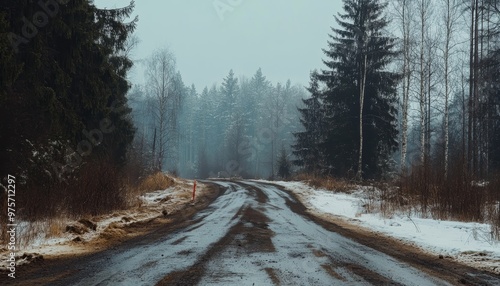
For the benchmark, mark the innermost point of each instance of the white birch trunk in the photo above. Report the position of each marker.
(361, 105)
(406, 81)
(422, 96)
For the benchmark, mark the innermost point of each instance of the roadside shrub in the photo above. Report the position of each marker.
(157, 181)
(495, 206)
(98, 189)
(324, 182)
(457, 197)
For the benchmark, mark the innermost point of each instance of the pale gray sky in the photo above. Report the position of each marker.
(210, 37)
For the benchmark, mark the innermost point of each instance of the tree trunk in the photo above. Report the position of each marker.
(428, 112)
(154, 151)
(471, 93)
(361, 105)
(446, 112)
(476, 126)
(406, 84)
(449, 26)
(422, 84)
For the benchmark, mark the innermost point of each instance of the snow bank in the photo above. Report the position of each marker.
(466, 242)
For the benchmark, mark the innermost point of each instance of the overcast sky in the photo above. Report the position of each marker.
(210, 37)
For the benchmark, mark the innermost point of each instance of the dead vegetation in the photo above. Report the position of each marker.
(325, 182)
(157, 181)
(45, 210)
(459, 197)
(151, 183)
(424, 192)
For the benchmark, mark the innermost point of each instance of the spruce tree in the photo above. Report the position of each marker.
(62, 72)
(361, 93)
(232, 118)
(61, 76)
(229, 92)
(307, 148)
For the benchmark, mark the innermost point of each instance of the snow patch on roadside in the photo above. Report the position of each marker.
(467, 242)
(160, 203)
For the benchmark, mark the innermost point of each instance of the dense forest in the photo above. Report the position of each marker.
(409, 91)
(236, 129)
(66, 128)
(404, 86)
(232, 130)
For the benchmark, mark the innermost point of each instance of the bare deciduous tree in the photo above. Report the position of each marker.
(161, 87)
(404, 17)
(450, 19)
(424, 14)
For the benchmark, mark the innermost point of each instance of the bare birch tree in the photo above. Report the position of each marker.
(405, 18)
(424, 14)
(161, 79)
(450, 19)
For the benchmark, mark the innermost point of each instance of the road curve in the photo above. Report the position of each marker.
(273, 245)
(250, 235)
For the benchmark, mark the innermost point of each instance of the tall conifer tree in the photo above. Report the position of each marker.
(361, 93)
(308, 142)
(66, 72)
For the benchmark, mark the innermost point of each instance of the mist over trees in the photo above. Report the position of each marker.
(405, 84)
(235, 129)
(397, 91)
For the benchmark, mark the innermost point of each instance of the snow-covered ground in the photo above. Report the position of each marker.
(52, 239)
(469, 243)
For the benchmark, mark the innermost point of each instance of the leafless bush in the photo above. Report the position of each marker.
(325, 182)
(98, 189)
(427, 192)
(494, 212)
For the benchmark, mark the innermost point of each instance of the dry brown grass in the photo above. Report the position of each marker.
(113, 231)
(325, 182)
(47, 228)
(98, 188)
(157, 181)
(55, 228)
(494, 211)
(425, 191)
(153, 182)
(186, 195)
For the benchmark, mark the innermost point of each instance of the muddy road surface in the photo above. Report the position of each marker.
(255, 234)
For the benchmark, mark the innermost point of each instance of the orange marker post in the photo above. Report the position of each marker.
(194, 190)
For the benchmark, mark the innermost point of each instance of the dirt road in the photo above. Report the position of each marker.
(254, 234)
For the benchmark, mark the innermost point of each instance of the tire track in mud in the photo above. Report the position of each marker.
(250, 241)
(250, 235)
